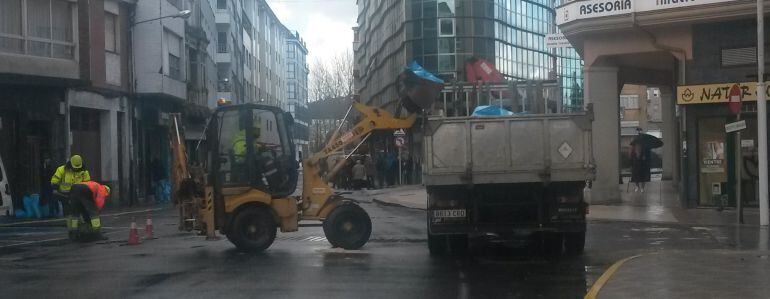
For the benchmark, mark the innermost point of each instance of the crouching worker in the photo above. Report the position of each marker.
(86, 199)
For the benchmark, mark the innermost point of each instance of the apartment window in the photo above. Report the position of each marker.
(291, 51)
(48, 28)
(221, 4)
(11, 39)
(174, 48)
(446, 27)
(292, 91)
(221, 42)
(291, 71)
(110, 32)
(192, 67)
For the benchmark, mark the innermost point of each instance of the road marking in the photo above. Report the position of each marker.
(63, 219)
(594, 291)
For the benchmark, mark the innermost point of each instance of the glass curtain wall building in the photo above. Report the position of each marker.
(442, 34)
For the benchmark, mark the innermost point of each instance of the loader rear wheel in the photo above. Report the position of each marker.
(348, 226)
(253, 230)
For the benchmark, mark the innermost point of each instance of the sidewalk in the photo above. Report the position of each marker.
(658, 204)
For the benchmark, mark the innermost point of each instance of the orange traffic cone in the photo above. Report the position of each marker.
(133, 234)
(148, 227)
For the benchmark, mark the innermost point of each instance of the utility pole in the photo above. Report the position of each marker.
(762, 115)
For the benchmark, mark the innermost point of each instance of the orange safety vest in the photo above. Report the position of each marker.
(98, 191)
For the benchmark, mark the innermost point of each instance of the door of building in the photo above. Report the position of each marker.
(712, 150)
(86, 141)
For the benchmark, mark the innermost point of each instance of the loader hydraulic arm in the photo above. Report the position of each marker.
(315, 187)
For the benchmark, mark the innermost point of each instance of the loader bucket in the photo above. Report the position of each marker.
(418, 88)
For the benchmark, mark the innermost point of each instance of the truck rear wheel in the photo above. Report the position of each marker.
(253, 229)
(574, 243)
(553, 243)
(437, 244)
(348, 226)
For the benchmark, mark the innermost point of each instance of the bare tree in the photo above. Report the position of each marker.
(331, 78)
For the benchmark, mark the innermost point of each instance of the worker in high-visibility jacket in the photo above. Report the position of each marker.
(86, 199)
(65, 176)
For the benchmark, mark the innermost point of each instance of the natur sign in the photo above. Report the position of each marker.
(716, 93)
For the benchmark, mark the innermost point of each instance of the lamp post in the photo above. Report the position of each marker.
(762, 115)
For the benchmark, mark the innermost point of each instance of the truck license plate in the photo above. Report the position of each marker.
(449, 214)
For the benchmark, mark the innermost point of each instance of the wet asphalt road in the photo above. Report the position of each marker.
(394, 264)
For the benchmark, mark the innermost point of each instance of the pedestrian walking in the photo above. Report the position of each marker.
(640, 154)
(85, 201)
(392, 168)
(371, 172)
(65, 177)
(359, 175)
(381, 170)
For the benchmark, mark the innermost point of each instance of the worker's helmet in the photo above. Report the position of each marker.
(108, 189)
(77, 162)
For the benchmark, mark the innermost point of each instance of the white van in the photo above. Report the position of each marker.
(6, 204)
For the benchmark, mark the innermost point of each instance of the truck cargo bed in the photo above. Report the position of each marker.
(508, 149)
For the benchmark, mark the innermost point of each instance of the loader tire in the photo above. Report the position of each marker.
(348, 226)
(253, 230)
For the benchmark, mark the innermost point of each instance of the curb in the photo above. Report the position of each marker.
(393, 204)
(53, 222)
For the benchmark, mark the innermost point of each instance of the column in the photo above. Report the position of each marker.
(601, 90)
(670, 135)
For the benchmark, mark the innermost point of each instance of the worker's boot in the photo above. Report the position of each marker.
(96, 234)
(72, 228)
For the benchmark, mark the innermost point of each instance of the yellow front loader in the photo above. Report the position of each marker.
(244, 187)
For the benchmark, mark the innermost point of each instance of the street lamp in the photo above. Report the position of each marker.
(184, 14)
(764, 218)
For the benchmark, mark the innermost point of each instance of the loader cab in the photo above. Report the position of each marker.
(251, 146)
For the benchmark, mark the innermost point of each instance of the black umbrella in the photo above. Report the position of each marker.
(647, 141)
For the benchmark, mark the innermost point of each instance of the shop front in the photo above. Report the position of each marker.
(718, 157)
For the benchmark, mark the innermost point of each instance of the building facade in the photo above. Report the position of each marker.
(296, 91)
(671, 46)
(250, 59)
(63, 90)
(442, 35)
(160, 71)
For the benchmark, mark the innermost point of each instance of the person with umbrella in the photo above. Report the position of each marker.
(641, 154)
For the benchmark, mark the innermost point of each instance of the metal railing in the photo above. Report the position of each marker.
(533, 97)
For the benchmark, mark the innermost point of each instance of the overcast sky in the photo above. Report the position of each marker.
(325, 25)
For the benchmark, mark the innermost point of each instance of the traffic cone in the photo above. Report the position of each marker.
(133, 234)
(148, 227)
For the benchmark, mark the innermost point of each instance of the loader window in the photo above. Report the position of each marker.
(231, 164)
(252, 150)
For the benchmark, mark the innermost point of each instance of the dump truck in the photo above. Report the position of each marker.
(510, 176)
